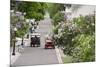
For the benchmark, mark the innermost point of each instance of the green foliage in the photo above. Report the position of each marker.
(20, 31)
(79, 41)
(84, 43)
(58, 17)
(86, 24)
(67, 59)
(84, 48)
(14, 20)
(54, 8)
(33, 9)
(23, 30)
(55, 30)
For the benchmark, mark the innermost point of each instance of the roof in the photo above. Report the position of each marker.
(33, 34)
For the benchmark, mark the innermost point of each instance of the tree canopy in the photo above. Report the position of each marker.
(34, 10)
(54, 8)
(79, 40)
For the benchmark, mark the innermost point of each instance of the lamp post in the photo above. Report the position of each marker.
(22, 18)
(15, 29)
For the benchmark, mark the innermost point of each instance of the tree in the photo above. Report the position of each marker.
(34, 10)
(84, 43)
(58, 17)
(22, 27)
(79, 41)
(54, 8)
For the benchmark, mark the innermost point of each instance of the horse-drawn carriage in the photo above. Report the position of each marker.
(35, 40)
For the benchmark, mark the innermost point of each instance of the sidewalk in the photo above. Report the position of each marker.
(13, 58)
(18, 51)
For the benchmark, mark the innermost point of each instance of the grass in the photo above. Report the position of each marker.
(67, 59)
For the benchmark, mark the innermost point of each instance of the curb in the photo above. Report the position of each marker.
(58, 55)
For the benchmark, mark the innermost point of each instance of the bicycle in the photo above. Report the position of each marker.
(20, 48)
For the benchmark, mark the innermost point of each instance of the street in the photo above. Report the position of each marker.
(68, 29)
(38, 55)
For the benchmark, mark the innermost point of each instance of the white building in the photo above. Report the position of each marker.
(83, 10)
(77, 10)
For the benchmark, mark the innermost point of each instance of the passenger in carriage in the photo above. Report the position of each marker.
(34, 41)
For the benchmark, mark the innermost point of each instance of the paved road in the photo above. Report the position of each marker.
(39, 55)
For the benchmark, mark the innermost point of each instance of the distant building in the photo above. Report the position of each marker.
(83, 10)
(77, 10)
